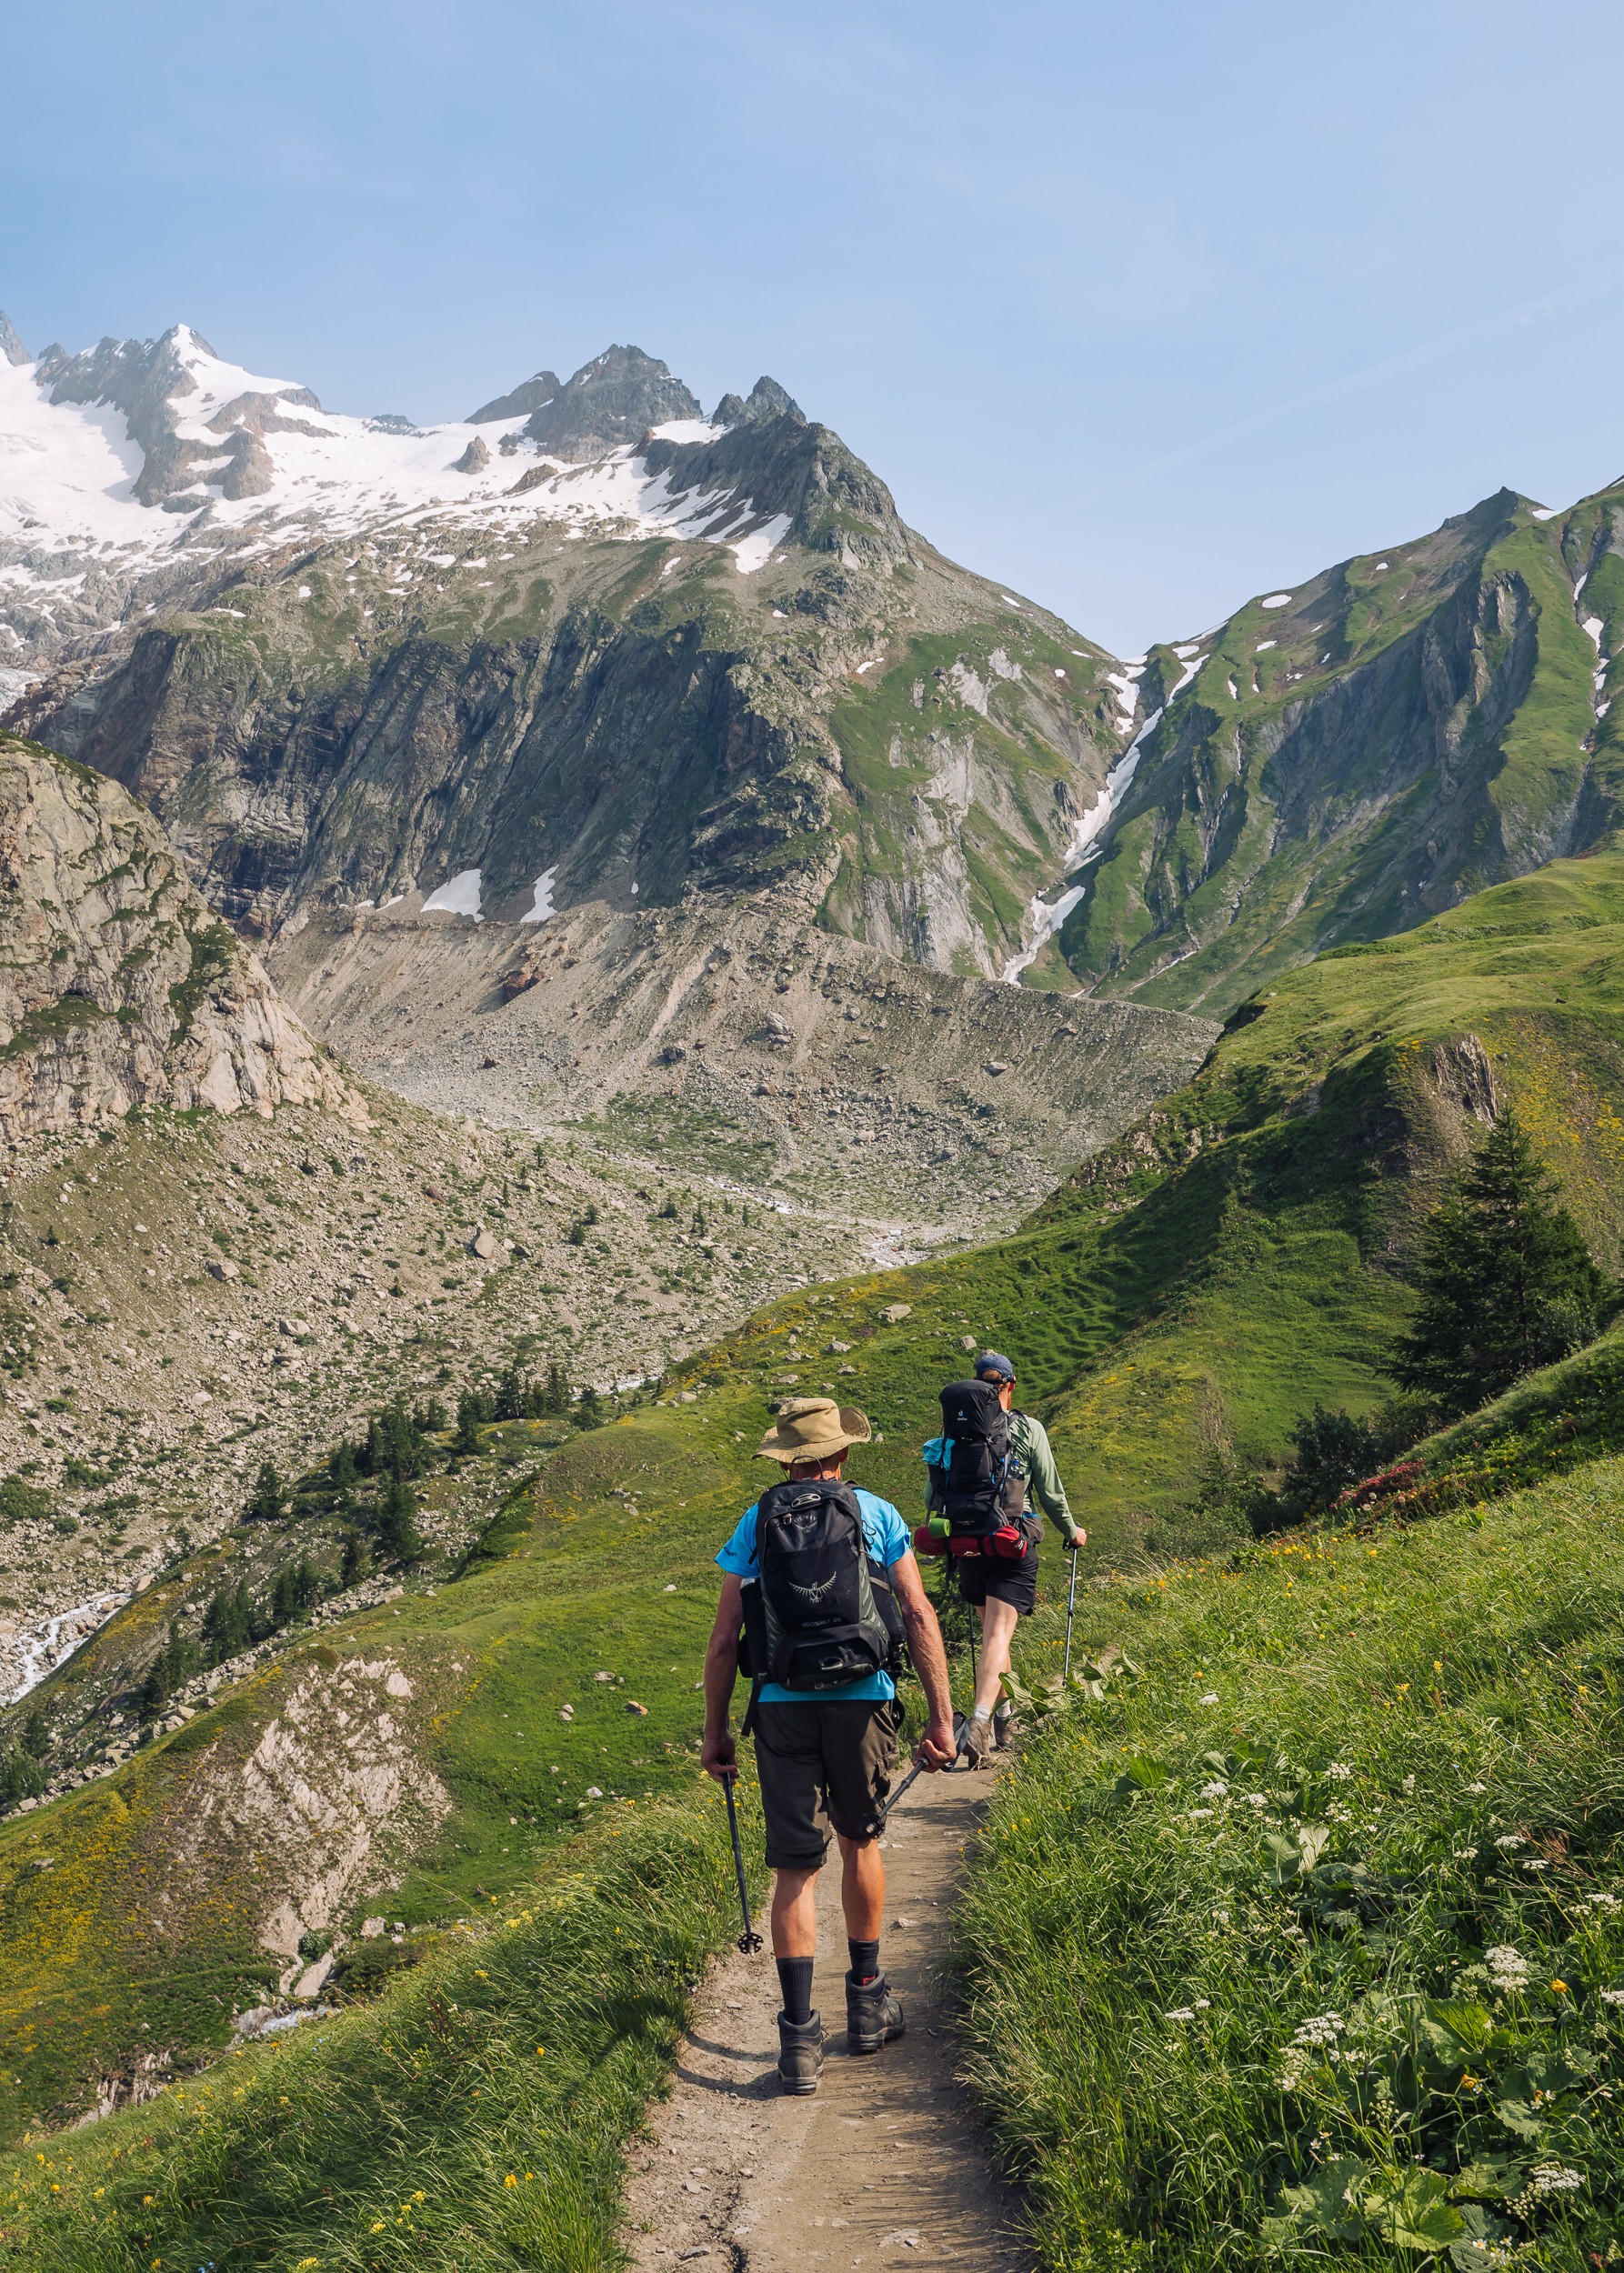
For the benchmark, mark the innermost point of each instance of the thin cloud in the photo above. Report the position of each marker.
(1525, 316)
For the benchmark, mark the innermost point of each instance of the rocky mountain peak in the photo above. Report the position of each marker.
(119, 987)
(609, 403)
(11, 346)
(534, 393)
(767, 399)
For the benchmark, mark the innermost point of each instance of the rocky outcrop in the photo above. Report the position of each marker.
(609, 403)
(118, 987)
(11, 346)
(474, 459)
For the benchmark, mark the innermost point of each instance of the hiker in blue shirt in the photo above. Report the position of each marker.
(826, 1753)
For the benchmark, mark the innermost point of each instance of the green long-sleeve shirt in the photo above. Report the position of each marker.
(1044, 1487)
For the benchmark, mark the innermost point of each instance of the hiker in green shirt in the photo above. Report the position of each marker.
(1006, 1591)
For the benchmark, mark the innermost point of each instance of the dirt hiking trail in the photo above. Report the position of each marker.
(886, 2166)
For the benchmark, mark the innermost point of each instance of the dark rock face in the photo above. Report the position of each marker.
(474, 459)
(11, 346)
(606, 753)
(785, 465)
(609, 403)
(532, 396)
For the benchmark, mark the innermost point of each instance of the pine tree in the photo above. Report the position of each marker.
(227, 1623)
(342, 1470)
(512, 1395)
(1506, 1283)
(269, 1503)
(285, 1596)
(397, 1527)
(467, 1441)
(355, 1563)
(589, 1412)
(556, 1397)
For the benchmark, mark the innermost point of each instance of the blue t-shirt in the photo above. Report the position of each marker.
(888, 1539)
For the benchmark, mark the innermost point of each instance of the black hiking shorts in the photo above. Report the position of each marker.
(998, 1579)
(825, 1762)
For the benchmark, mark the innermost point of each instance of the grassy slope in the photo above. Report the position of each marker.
(1142, 1943)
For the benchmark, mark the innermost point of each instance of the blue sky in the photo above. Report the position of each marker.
(1140, 309)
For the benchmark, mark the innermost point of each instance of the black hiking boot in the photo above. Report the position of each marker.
(873, 2016)
(800, 2055)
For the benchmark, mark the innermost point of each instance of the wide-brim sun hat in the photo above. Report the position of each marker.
(813, 1429)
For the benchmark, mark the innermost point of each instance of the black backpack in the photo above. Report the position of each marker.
(823, 1612)
(976, 1483)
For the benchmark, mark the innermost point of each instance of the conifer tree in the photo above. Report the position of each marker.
(397, 1527)
(354, 1565)
(467, 1441)
(1506, 1283)
(269, 1503)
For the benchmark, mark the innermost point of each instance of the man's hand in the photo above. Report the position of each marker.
(938, 1747)
(1078, 1538)
(718, 1756)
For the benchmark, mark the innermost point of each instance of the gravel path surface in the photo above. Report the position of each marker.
(886, 2166)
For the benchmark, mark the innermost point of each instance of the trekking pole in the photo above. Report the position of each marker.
(749, 1941)
(960, 1730)
(1071, 1610)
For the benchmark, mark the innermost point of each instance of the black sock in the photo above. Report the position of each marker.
(795, 1986)
(865, 1959)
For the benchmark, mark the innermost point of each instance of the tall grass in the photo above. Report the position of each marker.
(1303, 1933)
(474, 2118)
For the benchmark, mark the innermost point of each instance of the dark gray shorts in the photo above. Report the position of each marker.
(825, 1762)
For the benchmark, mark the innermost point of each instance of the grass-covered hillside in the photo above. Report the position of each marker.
(1340, 761)
(1299, 1936)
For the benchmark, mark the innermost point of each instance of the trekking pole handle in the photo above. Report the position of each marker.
(749, 1941)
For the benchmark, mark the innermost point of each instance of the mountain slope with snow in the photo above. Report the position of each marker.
(1339, 762)
(589, 643)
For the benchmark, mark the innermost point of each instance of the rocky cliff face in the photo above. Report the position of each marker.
(1338, 762)
(118, 987)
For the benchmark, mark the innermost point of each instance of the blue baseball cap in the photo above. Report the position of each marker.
(993, 1365)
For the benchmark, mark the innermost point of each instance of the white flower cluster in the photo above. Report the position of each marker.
(1602, 1902)
(1339, 1771)
(1189, 2012)
(1209, 1698)
(1551, 2178)
(1323, 2028)
(1507, 1968)
(1215, 1791)
(1612, 1997)
(1477, 1788)
(1255, 1799)
(1509, 1839)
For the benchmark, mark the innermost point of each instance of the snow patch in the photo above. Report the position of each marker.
(1189, 675)
(460, 898)
(1264, 645)
(687, 430)
(1045, 919)
(1278, 600)
(541, 905)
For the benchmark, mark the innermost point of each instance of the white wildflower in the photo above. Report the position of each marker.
(1256, 1799)
(1509, 1839)
(1602, 1902)
(1208, 1700)
(1220, 1918)
(1181, 2012)
(1200, 1815)
(1215, 1791)
(1410, 1783)
(1508, 1968)
(1466, 1854)
(1612, 1997)
(1339, 1771)
(1537, 1866)
(1477, 1788)
(1551, 2178)
(1323, 2028)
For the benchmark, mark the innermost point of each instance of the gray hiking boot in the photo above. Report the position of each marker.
(873, 2016)
(1004, 1727)
(978, 1741)
(800, 2055)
